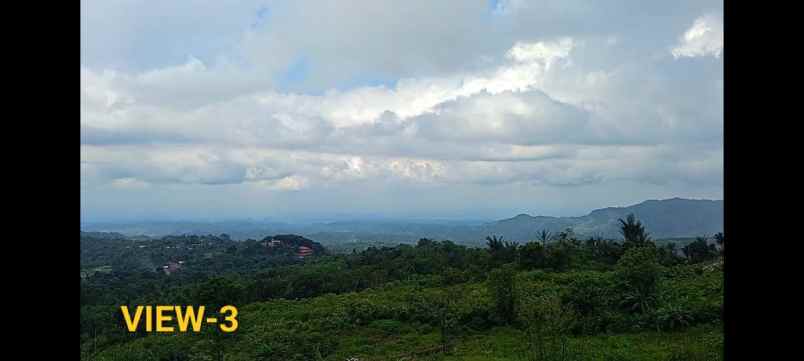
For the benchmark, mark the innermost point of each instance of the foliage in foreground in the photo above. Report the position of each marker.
(563, 300)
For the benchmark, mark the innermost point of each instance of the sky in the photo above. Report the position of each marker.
(292, 110)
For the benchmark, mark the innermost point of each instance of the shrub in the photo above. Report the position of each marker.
(672, 317)
(501, 286)
(388, 326)
(638, 272)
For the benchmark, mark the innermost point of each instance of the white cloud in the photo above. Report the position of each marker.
(290, 183)
(543, 52)
(527, 96)
(129, 183)
(704, 37)
(139, 100)
(411, 132)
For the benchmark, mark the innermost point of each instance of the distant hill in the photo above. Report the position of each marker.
(105, 252)
(293, 243)
(668, 218)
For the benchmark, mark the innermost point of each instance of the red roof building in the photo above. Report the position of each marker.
(171, 267)
(304, 251)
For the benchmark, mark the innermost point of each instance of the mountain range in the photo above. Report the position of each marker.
(668, 218)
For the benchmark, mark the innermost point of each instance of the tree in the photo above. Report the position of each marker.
(589, 296)
(605, 251)
(544, 236)
(667, 255)
(495, 244)
(634, 232)
(546, 323)
(532, 255)
(447, 318)
(720, 241)
(424, 242)
(217, 292)
(557, 255)
(502, 286)
(699, 251)
(638, 272)
(501, 251)
(567, 235)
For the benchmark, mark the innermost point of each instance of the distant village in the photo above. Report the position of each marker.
(300, 252)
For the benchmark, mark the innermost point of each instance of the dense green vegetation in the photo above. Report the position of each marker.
(554, 298)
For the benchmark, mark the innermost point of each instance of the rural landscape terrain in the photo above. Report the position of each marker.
(375, 180)
(555, 295)
(667, 219)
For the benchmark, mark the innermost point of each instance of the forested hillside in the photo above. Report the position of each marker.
(556, 298)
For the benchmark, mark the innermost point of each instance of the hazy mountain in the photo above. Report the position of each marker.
(669, 218)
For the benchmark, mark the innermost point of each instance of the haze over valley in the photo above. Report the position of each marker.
(669, 218)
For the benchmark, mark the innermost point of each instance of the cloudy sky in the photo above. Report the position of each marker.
(210, 109)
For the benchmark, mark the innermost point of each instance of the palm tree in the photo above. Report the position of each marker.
(544, 236)
(700, 250)
(501, 251)
(634, 232)
(494, 243)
